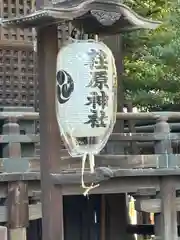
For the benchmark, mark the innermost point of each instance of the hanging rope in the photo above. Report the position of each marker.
(92, 165)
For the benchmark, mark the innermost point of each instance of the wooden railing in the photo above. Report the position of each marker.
(129, 150)
(17, 140)
(157, 149)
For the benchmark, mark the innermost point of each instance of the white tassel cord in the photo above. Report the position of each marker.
(92, 165)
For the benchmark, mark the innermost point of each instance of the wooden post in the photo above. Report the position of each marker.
(18, 215)
(3, 233)
(168, 209)
(52, 200)
(161, 147)
(115, 44)
(166, 221)
(18, 212)
(11, 127)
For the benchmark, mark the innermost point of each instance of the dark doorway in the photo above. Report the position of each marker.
(81, 219)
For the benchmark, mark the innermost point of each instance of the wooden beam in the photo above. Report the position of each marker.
(144, 229)
(52, 200)
(35, 212)
(16, 44)
(19, 115)
(20, 165)
(33, 186)
(120, 161)
(26, 176)
(130, 184)
(120, 115)
(144, 136)
(118, 185)
(19, 138)
(153, 205)
(146, 116)
(104, 174)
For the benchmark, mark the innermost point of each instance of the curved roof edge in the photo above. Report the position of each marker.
(137, 20)
(71, 10)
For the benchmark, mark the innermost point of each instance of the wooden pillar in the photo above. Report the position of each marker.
(163, 147)
(118, 214)
(115, 44)
(168, 209)
(52, 200)
(18, 212)
(166, 221)
(117, 218)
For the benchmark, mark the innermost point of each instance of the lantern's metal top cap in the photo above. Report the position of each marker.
(94, 16)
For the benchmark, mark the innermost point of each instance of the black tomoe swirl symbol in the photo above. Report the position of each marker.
(65, 86)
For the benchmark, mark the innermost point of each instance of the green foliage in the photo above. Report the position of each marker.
(152, 58)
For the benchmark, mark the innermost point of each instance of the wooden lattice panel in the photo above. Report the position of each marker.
(12, 8)
(17, 77)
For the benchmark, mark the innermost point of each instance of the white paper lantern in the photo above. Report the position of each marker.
(86, 86)
(86, 90)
